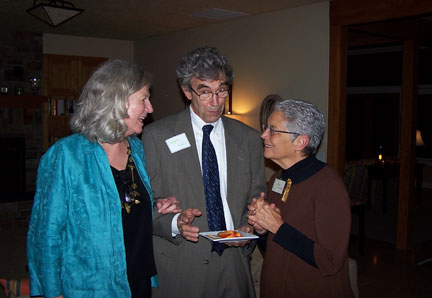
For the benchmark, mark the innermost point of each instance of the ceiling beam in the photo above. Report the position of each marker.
(351, 12)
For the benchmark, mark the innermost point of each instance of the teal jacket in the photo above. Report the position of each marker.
(75, 239)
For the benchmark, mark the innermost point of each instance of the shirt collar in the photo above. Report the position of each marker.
(198, 123)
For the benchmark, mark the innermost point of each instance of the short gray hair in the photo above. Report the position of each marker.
(303, 118)
(101, 106)
(203, 63)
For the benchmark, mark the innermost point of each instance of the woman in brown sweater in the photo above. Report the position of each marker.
(307, 212)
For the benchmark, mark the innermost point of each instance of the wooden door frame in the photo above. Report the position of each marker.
(344, 13)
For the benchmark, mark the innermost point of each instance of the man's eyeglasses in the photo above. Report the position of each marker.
(207, 95)
(264, 127)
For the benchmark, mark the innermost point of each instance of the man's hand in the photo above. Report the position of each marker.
(168, 205)
(184, 222)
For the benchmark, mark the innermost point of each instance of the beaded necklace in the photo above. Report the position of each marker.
(131, 193)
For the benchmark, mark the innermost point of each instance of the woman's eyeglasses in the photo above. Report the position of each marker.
(264, 127)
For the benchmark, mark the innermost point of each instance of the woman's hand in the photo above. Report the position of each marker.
(265, 216)
(168, 205)
(252, 212)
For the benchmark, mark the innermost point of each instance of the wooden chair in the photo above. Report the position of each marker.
(356, 182)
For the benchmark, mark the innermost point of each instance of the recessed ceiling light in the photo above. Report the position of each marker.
(219, 14)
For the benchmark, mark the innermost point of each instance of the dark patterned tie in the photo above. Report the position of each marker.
(215, 214)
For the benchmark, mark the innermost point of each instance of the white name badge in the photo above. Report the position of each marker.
(278, 186)
(177, 143)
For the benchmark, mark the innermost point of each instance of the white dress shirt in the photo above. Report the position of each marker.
(217, 137)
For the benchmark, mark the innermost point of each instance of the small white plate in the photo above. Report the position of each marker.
(212, 236)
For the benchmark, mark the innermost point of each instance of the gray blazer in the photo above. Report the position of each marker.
(188, 269)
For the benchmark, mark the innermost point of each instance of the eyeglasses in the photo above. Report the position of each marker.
(207, 95)
(264, 127)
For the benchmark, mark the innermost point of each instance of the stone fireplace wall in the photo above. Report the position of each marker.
(21, 59)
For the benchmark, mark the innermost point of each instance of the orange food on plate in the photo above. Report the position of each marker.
(229, 234)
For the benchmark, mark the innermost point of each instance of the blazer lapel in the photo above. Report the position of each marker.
(184, 125)
(189, 160)
(233, 153)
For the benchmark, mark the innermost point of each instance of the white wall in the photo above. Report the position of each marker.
(86, 46)
(285, 52)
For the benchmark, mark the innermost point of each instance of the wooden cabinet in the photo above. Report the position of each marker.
(59, 76)
(67, 75)
(63, 79)
(86, 66)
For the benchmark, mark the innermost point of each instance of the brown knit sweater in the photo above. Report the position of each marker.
(318, 209)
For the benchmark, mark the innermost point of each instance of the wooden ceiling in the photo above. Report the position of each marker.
(417, 28)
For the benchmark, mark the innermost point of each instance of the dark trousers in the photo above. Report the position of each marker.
(141, 288)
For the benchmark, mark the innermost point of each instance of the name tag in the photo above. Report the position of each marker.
(177, 143)
(278, 186)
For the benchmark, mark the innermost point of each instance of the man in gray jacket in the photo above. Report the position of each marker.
(213, 183)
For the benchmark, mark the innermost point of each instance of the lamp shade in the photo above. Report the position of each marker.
(54, 13)
(419, 140)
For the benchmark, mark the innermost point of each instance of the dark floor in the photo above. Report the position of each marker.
(383, 271)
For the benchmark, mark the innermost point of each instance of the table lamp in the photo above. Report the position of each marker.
(419, 140)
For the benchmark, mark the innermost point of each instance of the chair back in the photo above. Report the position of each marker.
(356, 181)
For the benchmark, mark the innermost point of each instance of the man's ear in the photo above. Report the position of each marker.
(187, 92)
(301, 142)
